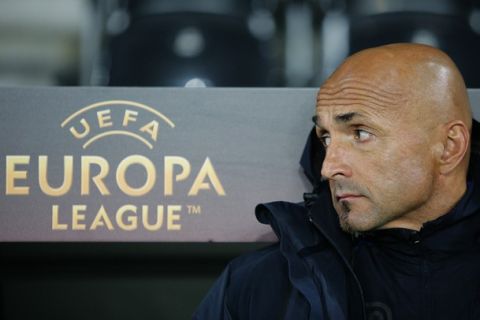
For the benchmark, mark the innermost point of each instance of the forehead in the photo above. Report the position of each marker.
(361, 96)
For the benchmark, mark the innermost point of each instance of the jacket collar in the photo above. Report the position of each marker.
(323, 216)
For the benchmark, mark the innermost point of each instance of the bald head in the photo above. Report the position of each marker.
(412, 77)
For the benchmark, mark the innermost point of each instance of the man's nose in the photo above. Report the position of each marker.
(335, 163)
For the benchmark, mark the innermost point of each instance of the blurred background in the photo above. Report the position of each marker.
(192, 43)
(240, 43)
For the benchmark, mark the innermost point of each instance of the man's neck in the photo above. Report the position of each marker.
(442, 202)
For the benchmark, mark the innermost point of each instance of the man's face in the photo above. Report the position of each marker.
(379, 161)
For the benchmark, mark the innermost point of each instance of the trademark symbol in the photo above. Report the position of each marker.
(192, 209)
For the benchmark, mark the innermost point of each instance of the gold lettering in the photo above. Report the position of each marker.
(126, 218)
(104, 118)
(86, 130)
(172, 217)
(129, 115)
(132, 218)
(152, 129)
(67, 176)
(12, 175)
(78, 217)
(87, 161)
(207, 170)
(101, 220)
(55, 224)
(170, 162)
(158, 223)
(149, 168)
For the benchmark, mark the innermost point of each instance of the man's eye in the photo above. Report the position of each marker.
(362, 135)
(325, 140)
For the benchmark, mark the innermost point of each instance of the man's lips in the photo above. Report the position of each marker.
(348, 196)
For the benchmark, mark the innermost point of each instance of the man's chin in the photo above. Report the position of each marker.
(352, 224)
(356, 217)
(346, 227)
(353, 228)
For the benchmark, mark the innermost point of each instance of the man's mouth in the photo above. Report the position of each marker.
(347, 196)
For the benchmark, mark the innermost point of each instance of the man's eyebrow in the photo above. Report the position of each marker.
(346, 117)
(340, 118)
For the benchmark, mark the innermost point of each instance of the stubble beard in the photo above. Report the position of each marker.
(343, 214)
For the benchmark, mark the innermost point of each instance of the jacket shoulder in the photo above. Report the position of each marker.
(248, 286)
(257, 265)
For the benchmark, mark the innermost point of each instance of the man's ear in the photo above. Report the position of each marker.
(455, 145)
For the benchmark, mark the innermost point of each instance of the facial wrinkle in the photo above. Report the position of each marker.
(347, 95)
(351, 102)
(371, 86)
(358, 94)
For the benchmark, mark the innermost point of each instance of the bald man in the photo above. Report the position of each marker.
(392, 229)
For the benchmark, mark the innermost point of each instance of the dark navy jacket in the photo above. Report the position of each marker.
(316, 271)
